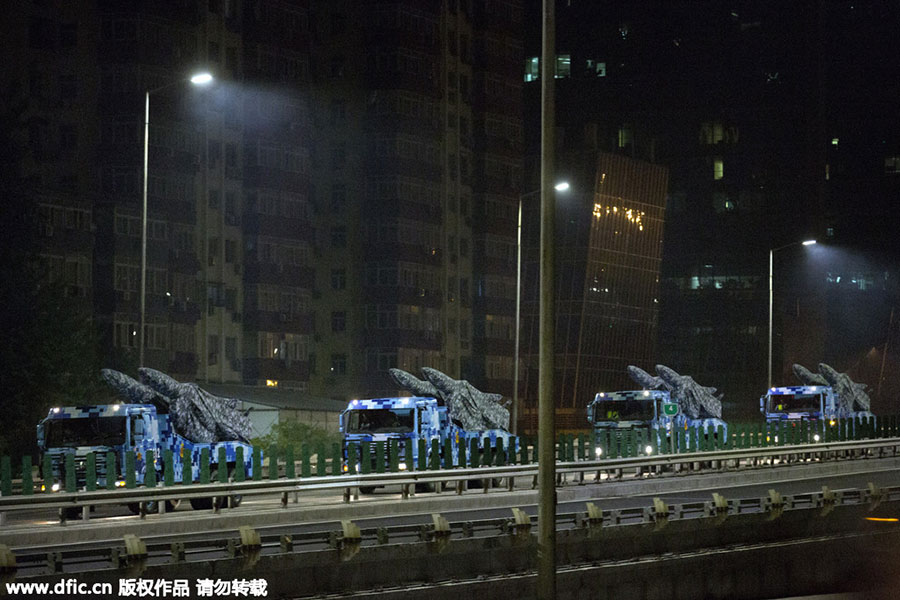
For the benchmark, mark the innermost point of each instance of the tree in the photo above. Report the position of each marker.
(49, 355)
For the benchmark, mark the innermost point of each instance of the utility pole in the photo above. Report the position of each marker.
(546, 576)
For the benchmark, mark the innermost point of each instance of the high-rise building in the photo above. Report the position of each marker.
(772, 134)
(608, 246)
(340, 201)
(419, 169)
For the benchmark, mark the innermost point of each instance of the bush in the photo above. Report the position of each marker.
(295, 433)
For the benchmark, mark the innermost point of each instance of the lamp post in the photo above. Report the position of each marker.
(546, 546)
(559, 187)
(771, 260)
(196, 79)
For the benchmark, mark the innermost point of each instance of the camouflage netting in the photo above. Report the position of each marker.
(851, 395)
(196, 414)
(695, 400)
(473, 409)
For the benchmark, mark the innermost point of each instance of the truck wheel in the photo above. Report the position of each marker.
(201, 503)
(366, 489)
(171, 505)
(72, 513)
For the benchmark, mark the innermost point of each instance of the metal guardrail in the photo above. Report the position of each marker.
(274, 539)
(698, 462)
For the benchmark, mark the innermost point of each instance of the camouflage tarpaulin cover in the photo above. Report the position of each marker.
(473, 409)
(696, 401)
(851, 395)
(196, 414)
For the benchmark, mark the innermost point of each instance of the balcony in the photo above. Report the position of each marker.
(256, 369)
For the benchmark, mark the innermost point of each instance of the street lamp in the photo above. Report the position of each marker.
(771, 256)
(202, 78)
(562, 186)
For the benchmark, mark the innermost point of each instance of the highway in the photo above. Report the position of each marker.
(321, 511)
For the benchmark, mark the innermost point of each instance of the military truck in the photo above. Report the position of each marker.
(408, 420)
(138, 427)
(651, 412)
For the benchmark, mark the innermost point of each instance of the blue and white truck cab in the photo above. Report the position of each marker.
(119, 428)
(797, 403)
(652, 411)
(408, 420)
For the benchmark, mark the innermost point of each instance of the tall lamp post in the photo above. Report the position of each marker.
(771, 261)
(546, 546)
(559, 187)
(196, 79)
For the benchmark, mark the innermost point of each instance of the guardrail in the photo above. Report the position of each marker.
(70, 504)
(275, 540)
(320, 460)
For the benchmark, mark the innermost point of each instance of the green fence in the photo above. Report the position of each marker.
(309, 461)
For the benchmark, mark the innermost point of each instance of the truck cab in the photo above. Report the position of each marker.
(99, 429)
(798, 403)
(120, 428)
(653, 411)
(618, 412)
(409, 420)
(383, 419)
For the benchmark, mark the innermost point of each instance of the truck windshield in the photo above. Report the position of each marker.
(381, 420)
(86, 431)
(623, 410)
(794, 403)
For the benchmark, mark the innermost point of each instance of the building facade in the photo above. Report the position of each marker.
(340, 201)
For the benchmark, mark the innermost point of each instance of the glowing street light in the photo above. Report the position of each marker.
(201, 78)
(771, 255)
(562, 186)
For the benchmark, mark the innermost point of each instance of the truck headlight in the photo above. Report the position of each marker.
(598, 451)
(816, 437)
(54, 487)
(648, 450)
(402, 466)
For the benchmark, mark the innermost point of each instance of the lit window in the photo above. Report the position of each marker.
(834, 141)
(532, 68)
(563, 66)
(626, 136)
(596, 67)
(892, 165)
(718, 169)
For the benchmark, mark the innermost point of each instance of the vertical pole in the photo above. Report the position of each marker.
(884, 353)
(771, 253)
(546, 575)
(144, 229)
(515, 403)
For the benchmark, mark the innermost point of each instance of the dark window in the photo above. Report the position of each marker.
(213, 52)
(338, 321)
(214, 199)
(338, 24)
(68, 35)
(339, 237)
(339, 364)
(338, 197)
(89, 431)
(68, 138)
(338, 157)
(338, 279)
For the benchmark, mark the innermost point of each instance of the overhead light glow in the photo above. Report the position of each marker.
(561, 186)
(201, 78)
(809, 242)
